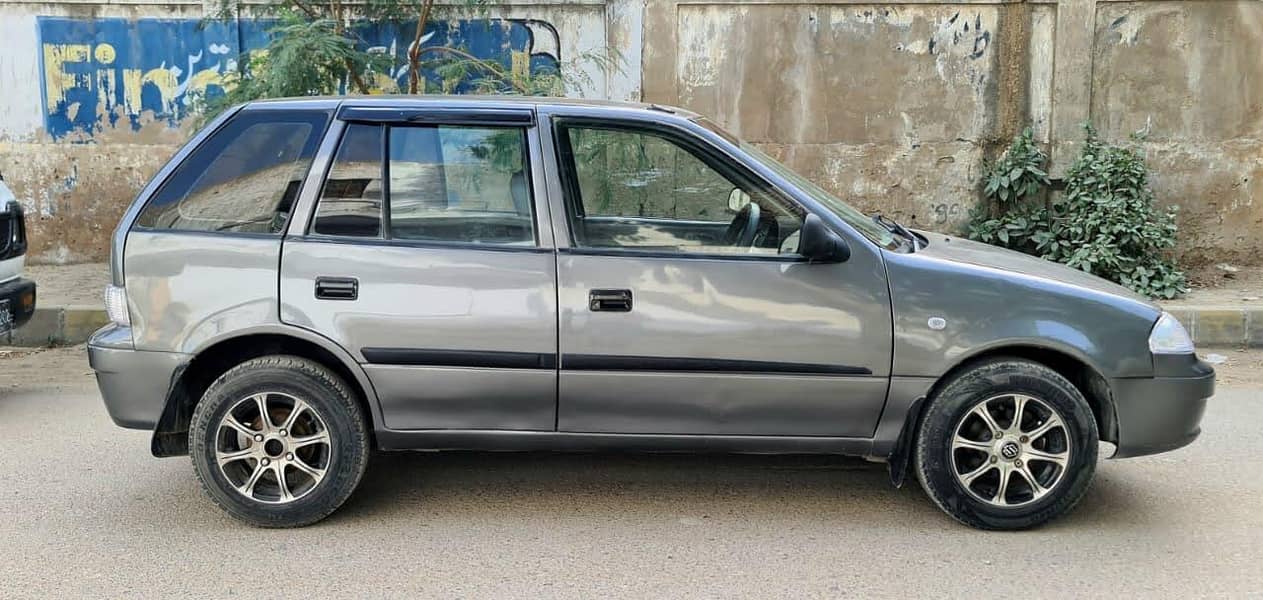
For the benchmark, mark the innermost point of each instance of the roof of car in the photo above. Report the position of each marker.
(472, 101)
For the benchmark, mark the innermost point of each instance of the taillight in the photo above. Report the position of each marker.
(116, 305)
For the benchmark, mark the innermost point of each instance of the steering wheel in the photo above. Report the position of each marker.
(744, 227)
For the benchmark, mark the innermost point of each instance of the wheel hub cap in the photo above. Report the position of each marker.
(273, 447)
(1010, 450)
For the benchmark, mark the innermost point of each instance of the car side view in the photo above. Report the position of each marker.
(311, 280)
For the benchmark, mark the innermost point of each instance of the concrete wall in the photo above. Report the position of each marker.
(894, 105)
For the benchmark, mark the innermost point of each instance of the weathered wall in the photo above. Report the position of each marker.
(893, 105)
(1191, 74)
(888, 105)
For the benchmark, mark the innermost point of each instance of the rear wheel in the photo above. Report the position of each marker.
(1007, 444)
(278, 441)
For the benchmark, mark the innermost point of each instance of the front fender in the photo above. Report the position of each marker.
(984, 308)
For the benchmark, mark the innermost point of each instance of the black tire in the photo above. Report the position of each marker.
(345, 455)
(936, 468)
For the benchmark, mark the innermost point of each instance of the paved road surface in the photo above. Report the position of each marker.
(85, 511)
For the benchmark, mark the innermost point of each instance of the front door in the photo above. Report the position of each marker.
(423, 258)
(685, 307)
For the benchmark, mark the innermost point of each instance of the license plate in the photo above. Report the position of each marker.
(6, 317)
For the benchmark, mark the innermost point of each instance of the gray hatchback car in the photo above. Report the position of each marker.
(310, 280)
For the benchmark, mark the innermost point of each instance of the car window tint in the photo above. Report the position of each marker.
(351, 199)
(642, 190)
(243, 178)
(460, 184)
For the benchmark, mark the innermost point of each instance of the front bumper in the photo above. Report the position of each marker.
(1158, 414)
(21, 296)
(134, 383)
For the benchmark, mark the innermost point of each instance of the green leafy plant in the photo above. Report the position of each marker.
(1012, 186)
(1019, 173)
(1106, 223)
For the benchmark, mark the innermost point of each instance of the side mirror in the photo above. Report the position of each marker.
(737, 200)
(818, 243)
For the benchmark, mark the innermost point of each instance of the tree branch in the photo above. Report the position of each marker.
(339, 27)
(414, 51)
(307, 10)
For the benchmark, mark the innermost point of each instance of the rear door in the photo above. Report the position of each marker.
(425, 258)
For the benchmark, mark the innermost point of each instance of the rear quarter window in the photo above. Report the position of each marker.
(244, 178)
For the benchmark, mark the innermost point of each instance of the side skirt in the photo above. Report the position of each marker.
(528, 441)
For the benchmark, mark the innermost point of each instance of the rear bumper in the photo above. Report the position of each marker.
(133, 383)
(21, 296)
(1159, 414)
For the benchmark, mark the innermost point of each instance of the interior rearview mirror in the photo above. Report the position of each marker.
(818, 243)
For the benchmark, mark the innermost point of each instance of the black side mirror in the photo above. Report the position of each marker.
(818, 243)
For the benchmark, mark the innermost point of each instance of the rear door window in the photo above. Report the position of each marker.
(244, 178)
(351, 200)
(443, 184)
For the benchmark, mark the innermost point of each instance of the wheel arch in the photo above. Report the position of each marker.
(1069, 364)
(170, 437)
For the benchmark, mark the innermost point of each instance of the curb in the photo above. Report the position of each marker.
(1232, 326)
(1210, 326)
(57, 326)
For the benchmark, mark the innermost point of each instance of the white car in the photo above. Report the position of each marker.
(17, 295)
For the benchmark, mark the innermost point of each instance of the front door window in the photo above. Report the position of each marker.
(643, 191)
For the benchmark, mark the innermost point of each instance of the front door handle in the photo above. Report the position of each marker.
(337, 288)
(610, 300)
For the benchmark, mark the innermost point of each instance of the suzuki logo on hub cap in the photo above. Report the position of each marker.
(1010, 450)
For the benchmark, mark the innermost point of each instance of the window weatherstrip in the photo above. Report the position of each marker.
(385, 211)
(439, 116)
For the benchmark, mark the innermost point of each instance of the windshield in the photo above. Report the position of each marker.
(862, 223)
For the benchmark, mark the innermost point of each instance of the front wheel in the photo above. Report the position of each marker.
(278, 441)
(1007, 444)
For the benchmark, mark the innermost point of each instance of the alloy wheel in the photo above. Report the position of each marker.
(273, 447)
(1010, 450)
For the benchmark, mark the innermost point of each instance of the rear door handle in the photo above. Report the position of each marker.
(610, 300)
(337, 288)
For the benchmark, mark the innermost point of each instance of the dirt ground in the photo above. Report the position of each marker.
(45, 368)
(67, 285)
(1212, 286)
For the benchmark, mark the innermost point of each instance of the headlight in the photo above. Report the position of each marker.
(116, 305)
(1169, 337)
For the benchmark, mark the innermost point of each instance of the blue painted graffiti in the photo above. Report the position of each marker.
(114, 73)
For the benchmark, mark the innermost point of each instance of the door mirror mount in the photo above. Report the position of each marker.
(819, 244)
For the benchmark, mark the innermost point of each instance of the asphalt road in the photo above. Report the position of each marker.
(85, 511)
